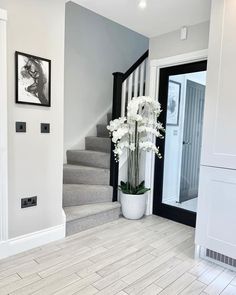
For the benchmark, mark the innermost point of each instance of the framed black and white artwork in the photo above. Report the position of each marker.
(174, 92)
(33, 79)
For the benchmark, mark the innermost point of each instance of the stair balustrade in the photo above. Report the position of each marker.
(125, 87)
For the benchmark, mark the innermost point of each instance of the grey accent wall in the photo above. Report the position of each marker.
(170, 44)
(95, 47)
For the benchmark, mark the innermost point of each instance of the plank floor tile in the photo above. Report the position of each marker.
(144, 257)
(194, 289)
(220, 283)
(229, 290)
(179, 285)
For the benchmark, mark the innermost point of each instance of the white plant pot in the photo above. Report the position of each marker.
(133, 206)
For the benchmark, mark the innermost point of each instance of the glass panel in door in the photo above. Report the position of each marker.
(184, 120)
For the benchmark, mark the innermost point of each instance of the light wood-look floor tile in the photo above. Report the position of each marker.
(229, 290)
(220, 283)
(145, 257)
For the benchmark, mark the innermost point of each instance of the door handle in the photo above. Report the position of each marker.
(186, 142)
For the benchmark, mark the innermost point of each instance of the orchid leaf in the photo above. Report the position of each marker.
(126, 188)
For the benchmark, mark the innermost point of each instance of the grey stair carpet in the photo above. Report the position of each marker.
(102, 130)
(86, 216)
(84, 194)
(101, 144)
(109, 117)
(87, 196)
(88, 158)
(74, 174)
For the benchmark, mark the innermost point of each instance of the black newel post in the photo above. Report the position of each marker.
(116, 113)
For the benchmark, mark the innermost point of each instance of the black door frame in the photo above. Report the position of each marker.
(173, 213)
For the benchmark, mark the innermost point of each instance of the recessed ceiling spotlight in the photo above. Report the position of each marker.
(142, 4)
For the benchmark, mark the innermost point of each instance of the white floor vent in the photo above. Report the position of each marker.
(221, 258)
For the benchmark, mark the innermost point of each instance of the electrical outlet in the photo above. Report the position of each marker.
(45, 128)
(28, 202)
(20, 126)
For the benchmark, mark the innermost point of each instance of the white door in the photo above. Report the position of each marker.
(3, 128)
(219, 140)
(216, 221)
(192, 141)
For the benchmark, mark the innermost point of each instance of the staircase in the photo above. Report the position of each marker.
(87, 195)
(90, 184)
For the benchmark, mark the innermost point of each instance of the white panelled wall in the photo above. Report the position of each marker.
(216, 222)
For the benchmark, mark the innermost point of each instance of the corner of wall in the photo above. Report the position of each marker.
(90, 131)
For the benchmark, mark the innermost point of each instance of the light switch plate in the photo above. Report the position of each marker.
(21, 127)
(45, 128)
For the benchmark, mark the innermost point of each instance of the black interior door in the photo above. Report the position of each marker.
(159, 208)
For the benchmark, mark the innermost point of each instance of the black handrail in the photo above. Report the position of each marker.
(119, 78)
(136, 65)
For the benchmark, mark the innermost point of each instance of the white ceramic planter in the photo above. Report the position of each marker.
(133, 206)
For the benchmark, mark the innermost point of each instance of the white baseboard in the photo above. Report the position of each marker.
(32, 240)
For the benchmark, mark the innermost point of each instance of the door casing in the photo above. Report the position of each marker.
(159, 208)
(154, 72)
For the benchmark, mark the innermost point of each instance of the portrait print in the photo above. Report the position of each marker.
(33, 80)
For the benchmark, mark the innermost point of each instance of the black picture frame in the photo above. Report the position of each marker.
(176, 123)
(36, 70)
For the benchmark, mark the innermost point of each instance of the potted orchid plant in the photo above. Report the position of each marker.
(135, 133)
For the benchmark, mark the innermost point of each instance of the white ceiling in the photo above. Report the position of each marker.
(159, 17)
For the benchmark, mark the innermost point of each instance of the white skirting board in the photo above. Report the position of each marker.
(32, 240)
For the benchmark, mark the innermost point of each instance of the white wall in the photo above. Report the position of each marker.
(3, 129)
(170, 44)
(95, 47)
(35, 160)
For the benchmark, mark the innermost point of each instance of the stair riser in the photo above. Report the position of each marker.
(102, 131)
(98, 144)
(75, 226)
(72, 176)
(109, 118)
(73, 196)
(89, 159)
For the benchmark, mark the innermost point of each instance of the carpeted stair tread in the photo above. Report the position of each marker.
(87, 194)
(95, 143)
(79, 218)
(83, 194)
(109, 117)
(88, 158)
(102, 130)
(77, 174)
(77, 212)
